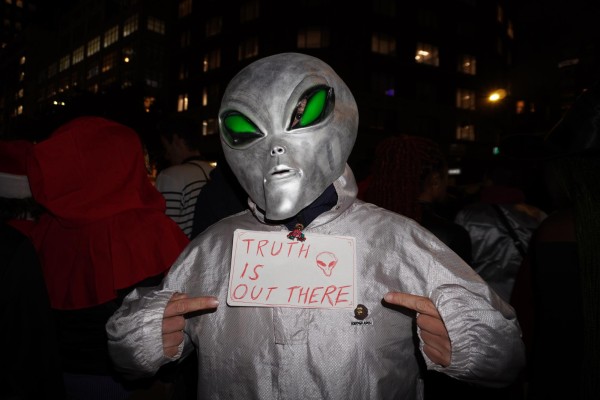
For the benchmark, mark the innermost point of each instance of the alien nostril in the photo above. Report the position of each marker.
(277, 150)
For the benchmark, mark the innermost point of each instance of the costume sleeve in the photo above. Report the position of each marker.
(135, 333)
(487, 348)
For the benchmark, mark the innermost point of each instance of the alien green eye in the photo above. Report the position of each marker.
(239, 130)
(313, 107)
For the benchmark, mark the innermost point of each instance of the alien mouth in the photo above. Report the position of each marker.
(282, 172)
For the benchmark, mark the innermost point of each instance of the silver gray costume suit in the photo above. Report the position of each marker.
(290, 353)
(302, 353)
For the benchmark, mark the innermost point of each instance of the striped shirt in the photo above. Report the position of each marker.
(180, 185)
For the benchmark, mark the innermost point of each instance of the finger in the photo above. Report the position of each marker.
(436, 342)
(437, 356)
(173, 339)
(420, 304)
(432, 325)
(170, 351)
(173, 324)
(189, 304)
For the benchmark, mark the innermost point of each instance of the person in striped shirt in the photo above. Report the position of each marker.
(182, 181)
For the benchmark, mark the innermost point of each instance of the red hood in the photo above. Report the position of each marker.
(106, 228)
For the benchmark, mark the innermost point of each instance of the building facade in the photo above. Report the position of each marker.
(424, 68)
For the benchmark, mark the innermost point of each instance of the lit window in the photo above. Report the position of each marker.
(156, 25)
(248, 48)
(212, 60)
(21, 76)
(249, 11)
(128, 54)
(8, 1)
(185, 8)
(19, 109)
(214, 26)
(204, 97)
(78, 55)
(465, 132)
(467, 64)
(148, 102)
(182, 102)
(22, 60)
(20, 93)
(109, 61)
(111, 36)
(499, 13)
(465, 99)
(509, 30)
(427, 54)
(382, 43)
(130, 25)
(93, 46)
(520, 107)
(65, 62)
(19, 3)
(312, 38)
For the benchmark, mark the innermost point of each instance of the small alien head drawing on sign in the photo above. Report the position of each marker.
(326, 261)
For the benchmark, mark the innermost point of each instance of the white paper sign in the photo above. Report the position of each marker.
(270, 270)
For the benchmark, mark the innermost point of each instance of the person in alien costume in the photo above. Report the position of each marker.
(288, 124)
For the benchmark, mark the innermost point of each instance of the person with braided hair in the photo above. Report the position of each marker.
(410, 177)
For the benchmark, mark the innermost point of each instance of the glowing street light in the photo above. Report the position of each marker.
(497, 95)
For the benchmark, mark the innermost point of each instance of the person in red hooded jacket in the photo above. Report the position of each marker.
(104, 232)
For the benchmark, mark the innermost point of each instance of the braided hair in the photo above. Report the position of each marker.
(402, 166)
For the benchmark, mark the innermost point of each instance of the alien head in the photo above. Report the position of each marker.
(288, 124)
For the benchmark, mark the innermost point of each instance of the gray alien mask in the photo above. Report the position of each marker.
(288, 124)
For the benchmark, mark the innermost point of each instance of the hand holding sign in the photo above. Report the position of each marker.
(174, 318)
(434, 334)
